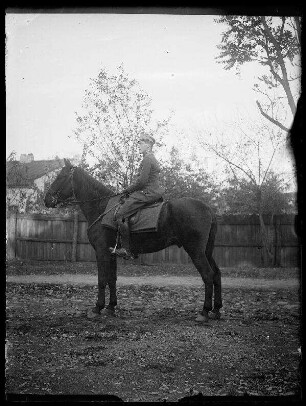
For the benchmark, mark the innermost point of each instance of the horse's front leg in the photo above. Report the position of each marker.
(102, 282)
(112, 279)
(107, 275)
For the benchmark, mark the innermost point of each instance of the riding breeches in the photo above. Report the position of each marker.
(134, 202)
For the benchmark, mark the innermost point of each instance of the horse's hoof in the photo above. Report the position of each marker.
(215, 315)
(201, 319)
(93, 314)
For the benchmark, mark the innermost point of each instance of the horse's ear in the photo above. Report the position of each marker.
(67, 163)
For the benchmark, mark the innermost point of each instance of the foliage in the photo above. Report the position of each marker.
(267, 40)
(115, 111)
(274, 43)
(181, 179)
(243, 196)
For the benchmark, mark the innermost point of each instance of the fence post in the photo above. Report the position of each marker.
(75, 236)
(11, 223)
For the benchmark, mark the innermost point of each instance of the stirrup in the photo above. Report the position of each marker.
(122, 252)
(113, 249)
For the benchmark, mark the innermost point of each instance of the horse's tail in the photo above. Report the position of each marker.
(211, 238)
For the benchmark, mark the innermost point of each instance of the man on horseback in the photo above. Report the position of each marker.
(145, 190)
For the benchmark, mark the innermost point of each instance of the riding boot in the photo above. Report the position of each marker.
(124, 251)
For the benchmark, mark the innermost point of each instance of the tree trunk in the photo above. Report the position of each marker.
(75, 236)
(267, 255)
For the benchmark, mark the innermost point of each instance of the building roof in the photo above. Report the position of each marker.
(19, 174)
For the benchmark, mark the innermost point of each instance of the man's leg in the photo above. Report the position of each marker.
(128, 208)
(124, 251)
(125, 234)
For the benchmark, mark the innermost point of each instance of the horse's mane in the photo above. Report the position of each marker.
(92, 184)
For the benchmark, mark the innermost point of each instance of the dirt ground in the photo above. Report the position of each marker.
(157, 280)
(153, 350)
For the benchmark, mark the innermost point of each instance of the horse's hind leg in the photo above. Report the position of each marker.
(217, 286)
(202, 264)
(217, 273)
(215, 314)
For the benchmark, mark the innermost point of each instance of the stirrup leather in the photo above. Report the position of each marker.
(113, 249)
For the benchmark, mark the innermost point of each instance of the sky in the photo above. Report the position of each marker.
(50, 59)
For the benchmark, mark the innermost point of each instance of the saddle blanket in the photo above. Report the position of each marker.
(145, 220)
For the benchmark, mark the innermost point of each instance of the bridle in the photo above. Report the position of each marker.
(57, 200)
(56, 194)
(56, 197)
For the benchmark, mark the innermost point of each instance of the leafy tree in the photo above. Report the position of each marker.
(274, 43)
(243, 197)
(181, 179)
(115, 111)
(17, 198)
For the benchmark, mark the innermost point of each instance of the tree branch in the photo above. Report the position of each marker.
(249, 175)
(268, 167)
(280, 60)
(298, 29)
(270, 118)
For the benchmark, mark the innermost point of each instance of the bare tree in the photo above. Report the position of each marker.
(249, 156)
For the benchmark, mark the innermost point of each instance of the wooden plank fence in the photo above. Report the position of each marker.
(57, 238)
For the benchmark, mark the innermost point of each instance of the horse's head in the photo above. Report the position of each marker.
(62, 188)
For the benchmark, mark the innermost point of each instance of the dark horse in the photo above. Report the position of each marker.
(184, 222)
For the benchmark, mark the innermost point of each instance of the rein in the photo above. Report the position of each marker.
(75, 201)
(92, 200)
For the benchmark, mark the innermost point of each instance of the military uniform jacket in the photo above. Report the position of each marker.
(148, 178)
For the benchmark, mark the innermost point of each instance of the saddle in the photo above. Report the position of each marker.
(144, 220)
